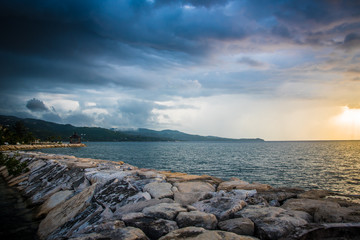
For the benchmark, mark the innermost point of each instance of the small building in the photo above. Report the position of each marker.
(75, 138)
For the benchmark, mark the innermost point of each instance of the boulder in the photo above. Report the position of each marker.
(173, 177)
(197, 233)
(53, 201)
(336, 215)
(138, 207)
(65, 211)
(223, 205)
(274, 222)
(314, 194)
(308, 205)
(196, 219)
(159, 189)
(128, 233)
(239, 184)
(189, 192)
(163, 210)
(116, 193)
(241, 226)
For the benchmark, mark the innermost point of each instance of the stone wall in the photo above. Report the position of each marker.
(37, 146)
(81, 198)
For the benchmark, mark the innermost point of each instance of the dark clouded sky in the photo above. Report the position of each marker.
(271, 69)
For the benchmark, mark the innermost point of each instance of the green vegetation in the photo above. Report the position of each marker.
(13, 165)
(15, 133)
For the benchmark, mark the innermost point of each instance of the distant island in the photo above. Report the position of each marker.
(49, 131)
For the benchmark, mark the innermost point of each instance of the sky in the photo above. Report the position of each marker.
(277, 70)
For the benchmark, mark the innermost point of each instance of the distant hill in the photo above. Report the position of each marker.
(180, 136)
(48, 130)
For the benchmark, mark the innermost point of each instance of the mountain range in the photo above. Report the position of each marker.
(44, 130)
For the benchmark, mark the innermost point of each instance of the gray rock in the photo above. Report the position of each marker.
(62, 213)
(115, 193)
(309, 205)
(153, 228)
(274, 222)
(138, 207)
(192, 191)
(222, 205)
(128, 233)
(197, 233)
(196, 219)
(53, 201)
(159, 189)
(241, 226)
(163, 210)
(325, 214)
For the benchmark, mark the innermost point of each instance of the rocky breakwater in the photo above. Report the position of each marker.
(81, 198)
(38, 146)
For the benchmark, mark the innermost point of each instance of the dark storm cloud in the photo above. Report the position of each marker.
(36, 105)
(63, 46)
(250, 62)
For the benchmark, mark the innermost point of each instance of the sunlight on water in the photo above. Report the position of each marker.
(312, 165)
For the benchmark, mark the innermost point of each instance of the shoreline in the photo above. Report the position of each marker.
(87, 198)
(38, 146)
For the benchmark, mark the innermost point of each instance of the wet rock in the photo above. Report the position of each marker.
(224, 205)
(128, 233)
(53, 201)
(65, 211)
(197, 219)
(239, 184)
(202, 234)
(159, 189)
(163, 210)
(241, 226)
(274, 222)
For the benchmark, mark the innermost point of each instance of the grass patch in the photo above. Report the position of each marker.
(13, 165)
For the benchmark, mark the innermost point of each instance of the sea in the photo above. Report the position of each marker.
(329, 165)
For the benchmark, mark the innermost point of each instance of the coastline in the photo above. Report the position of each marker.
(84, 198)
(38, 146)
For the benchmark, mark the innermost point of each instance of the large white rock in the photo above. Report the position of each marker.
(53, 201)
(159, 189)
(164, 210)
(62, 213)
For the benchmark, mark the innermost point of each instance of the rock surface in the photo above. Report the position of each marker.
(241, 226)
(197, 219)
(202, 234)
(84, 198)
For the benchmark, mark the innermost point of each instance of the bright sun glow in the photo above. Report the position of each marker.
(349, 121)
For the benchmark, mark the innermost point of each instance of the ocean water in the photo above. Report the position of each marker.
(331, 165)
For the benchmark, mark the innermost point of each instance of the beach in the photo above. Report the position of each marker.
(82, 198)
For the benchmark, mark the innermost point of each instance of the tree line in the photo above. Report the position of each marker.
(16, 133)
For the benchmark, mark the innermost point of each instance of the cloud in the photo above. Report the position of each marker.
(36, 105)
(351, 41)
(250, 62)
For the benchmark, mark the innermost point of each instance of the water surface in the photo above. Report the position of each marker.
(332, 165)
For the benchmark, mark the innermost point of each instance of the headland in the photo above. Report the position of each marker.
(82, 198)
